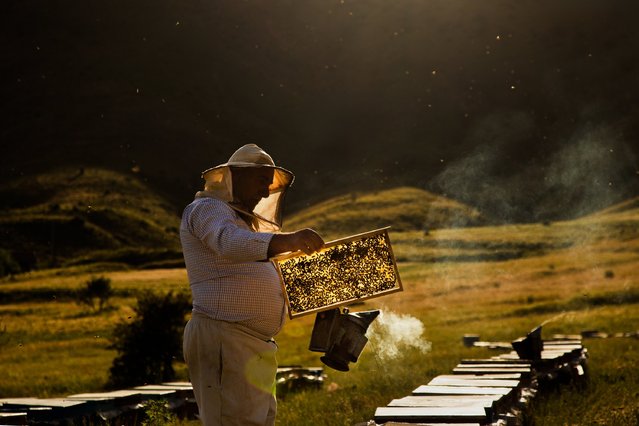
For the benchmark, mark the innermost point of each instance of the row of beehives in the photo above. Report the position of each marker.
(127, 407)
(493, 391)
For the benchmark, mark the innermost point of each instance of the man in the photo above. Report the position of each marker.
(228, 233)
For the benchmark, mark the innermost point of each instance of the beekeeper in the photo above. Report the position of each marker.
(228, 233)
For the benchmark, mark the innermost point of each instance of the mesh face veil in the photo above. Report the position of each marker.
(267, 214)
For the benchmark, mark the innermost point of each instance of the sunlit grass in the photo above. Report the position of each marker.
(611, 396)
(54, 368)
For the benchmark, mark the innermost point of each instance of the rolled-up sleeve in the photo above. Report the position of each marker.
(215, 224)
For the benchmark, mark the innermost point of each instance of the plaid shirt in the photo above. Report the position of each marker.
(229, 274)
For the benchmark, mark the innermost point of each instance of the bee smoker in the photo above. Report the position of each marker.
(531, 346)
(341, 336)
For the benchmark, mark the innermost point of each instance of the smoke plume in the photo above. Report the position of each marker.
(592, 171)
(392, 332)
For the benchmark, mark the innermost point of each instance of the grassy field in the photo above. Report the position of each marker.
(498, 282)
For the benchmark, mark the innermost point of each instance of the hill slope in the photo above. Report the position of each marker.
(403, 208)
(77, 215)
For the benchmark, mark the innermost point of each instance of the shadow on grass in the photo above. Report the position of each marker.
(92, 312)
(49, 295)
(582, 302)
(482, 251)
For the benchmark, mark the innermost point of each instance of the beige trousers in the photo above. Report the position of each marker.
(232, 372)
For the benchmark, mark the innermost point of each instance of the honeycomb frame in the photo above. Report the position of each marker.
(344, 271)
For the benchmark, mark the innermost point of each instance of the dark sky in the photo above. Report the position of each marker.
(525, 109)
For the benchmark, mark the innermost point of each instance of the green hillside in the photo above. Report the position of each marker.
(73, 216)
(404, 209)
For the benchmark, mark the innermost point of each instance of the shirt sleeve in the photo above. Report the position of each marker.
(215, 224)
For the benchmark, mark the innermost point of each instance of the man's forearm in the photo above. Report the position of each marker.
(305, 240)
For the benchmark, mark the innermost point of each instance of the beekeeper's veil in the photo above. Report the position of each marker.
(267, 214)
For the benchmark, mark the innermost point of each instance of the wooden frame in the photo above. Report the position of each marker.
(347, 270)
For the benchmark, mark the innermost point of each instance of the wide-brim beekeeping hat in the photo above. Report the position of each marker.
(219, 184)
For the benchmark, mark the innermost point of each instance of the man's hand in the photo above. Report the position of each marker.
(305, 240)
